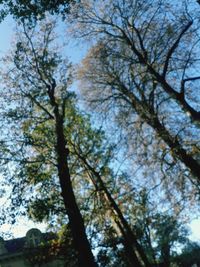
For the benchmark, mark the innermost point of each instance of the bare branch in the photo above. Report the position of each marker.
(174, 46)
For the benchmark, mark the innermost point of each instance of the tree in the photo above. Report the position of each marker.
(169, 232)
(33, 11)
(90, 159)
(146, 67)
(133, 249)
(189, 255)
(38, 94)
(160, 233)
(35, 151)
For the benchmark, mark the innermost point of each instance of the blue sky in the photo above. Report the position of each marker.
(6, 30)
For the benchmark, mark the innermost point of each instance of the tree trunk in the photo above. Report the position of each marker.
(165, 253)
(76, 223)
(176, 147)
(151, 118)
(132, 256)
(133, 249)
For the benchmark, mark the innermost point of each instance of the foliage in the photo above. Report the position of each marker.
(143, 74)
(38, 97)
(189, 256)
(34, 10)
(55, 248)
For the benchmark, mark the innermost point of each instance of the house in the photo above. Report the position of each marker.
(36, 249)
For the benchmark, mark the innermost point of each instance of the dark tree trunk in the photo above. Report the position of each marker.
(76, 223)
(165, 253)
(132, 256)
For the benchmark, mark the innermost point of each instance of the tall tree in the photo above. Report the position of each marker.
(133, 249)
(146, 65)
(90, 160)
(38, 93)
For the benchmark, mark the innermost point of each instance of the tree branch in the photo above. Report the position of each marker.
(174, 46)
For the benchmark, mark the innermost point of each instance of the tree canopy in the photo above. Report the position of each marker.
(105, 151)
(34, 10)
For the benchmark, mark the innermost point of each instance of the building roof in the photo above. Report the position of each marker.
(15, 245)
(18, 245)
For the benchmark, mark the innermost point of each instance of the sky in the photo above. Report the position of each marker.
(75, 54)
(6, 32)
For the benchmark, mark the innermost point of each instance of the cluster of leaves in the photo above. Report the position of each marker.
(34, 10)
(56, 249)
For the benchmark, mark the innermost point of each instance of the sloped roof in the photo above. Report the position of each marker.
(15, 245)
